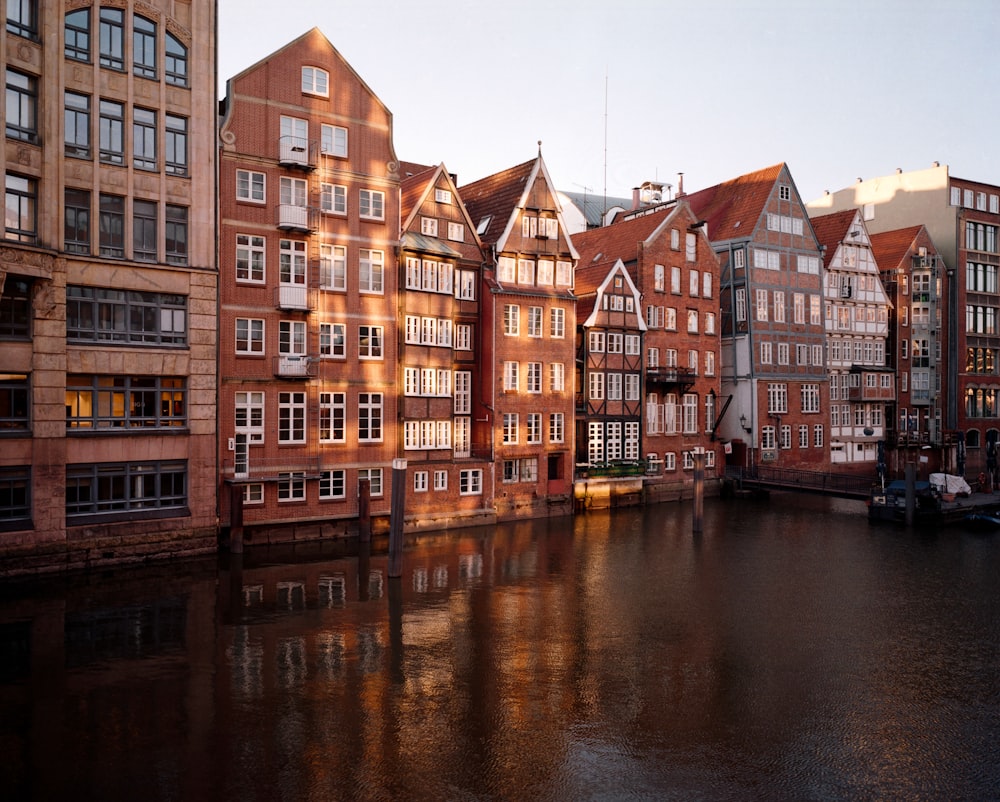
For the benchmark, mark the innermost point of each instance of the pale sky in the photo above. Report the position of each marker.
(624, 92)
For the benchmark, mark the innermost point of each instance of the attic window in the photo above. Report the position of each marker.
(784, 192)
(315, 81)
(483, 225)
(442, 195)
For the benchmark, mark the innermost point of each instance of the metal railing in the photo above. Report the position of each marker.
(844, 485)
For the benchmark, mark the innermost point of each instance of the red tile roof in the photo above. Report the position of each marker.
(616, 241)
(496, 197)
(733, 208)
(892, 247)
(831, 230)
(413, 186)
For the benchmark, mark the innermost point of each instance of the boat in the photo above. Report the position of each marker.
(982, 521)
(931, 506)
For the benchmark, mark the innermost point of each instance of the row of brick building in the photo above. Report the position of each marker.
(297, 311)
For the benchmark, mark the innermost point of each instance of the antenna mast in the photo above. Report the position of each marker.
(604, 209)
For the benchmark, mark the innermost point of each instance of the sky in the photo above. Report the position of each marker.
(625, 92)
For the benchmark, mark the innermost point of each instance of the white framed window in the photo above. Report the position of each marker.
(371, 272)
(292, 417)
(633, 344)
(616, 341)
(614, 386)
(332, 412)
(465, 287)
(315, 81)
(596, 382)
(506, 269)
(414, 273)
(694, 283)
(411, 381)
(371, 204)
(810, 397)
(557, 323)
(440, 480)
(706, 284)
(534, 377)
(429, 226)
(470, 482)
(291, 486)
(564, 274)
(546, 272)
(689, 406)
(777, 398)
(510, 375)
(442, 195)
(510, 426)
(691, 246)
(692, 325)
(818, 435)
(463, 337)
(557, 427)
(535, 321)
(762, 310)
(250, 186)
(557, 377)
(333, 340)
(675, 280)
(370, 417)
(333, 140)
(249, 418)
(710, 363)
(534, 427)
(456, 232)
(292, 191)
(511, 320)
(249, 336)
(463, 392)
(783, 351)
(631, 386)
(250, 251)
(595, 342)
(370, 339)
(333, 267)
(779, 306)
(765, 353)
(374, 477)
(525, 271)
(253, 493)
(659, 278)
(420, 481)
(333, 198)
(292, 337)
(332, 484)
(670, 461)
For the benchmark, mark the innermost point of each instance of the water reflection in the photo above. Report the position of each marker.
(789, 651)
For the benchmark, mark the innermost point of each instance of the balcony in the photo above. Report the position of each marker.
(294, 367)
(263, 469)
(679, 379)
(294, 218)
(294, 298)
(297, 152)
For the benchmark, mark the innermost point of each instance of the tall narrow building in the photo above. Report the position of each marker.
(108, 283)
(309, 230)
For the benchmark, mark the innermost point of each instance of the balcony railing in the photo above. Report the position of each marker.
(294, 367)
(294, 218)
(294, 297)
(270, 468)
(296, 151)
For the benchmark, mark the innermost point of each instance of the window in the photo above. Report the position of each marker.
(741, 305)
(371, 204)
(429, 226)
(557, 323)
(762, 305)
(76, 216)
(143, 47)
(15, 402)
(510, 424)
(112, 38)
(557, 377)
(144, 230)
(76, 125)
(291, 486)
(315, 81)
(112, 131)
(148, 318)
(370, 342)
(292, 337)
(511, 320)
(249, 415)
(249, 336)
(22, 18)
(333, 140)
(292, 417)
(332, 485)
(420, 481)
(249, 186)
(596, 384)
(370, 417)
(692, 326)
(371, 271)
(765, 353)
(333, 198)
(690, 246)
(15, 496)
(465, 288)
(456, 232)
(122, 489)
(534, 427)
(510, 375)
(175, 145)
(470, 482)
(176, 235)
(15, 309)
(103, 402)
(689, 405)
(783, 350)
(535, 321)
(810, 397)
(710, 363)
(534, 377)
(250, 251)
(374, 478)
(175, 66)
(112, 226)
(332, 267)
(332, 411)
(525, 271)
(21, 205)
(564, 273)
(22, 106)
(557, 427)
(77, 35)
(595, 342)
(614, 386)
(777, 399)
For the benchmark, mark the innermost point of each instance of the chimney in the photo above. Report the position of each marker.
(680, 185)
(635, 199)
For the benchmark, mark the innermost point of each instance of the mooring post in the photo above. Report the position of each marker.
(396, 518)
(699, 490)
(364, 510)
(235, 519)
(911, 491)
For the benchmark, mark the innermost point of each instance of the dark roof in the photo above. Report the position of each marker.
(595, 207)
(733, 208)
(496, 197)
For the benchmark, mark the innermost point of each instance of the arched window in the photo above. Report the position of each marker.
(176, 67)
(972, 438)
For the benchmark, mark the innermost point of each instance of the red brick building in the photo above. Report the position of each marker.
(440, 352)
(309, 210)
(773, 362)
(528, 323)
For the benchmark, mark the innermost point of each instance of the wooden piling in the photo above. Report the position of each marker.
(396, 513)
(365, 510)
(699, 491)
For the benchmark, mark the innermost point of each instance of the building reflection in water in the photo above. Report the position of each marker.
(799, 654)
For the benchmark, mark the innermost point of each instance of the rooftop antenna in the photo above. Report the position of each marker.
(605, 208)
(585, 191)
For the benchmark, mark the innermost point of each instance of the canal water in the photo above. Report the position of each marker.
(789, 652)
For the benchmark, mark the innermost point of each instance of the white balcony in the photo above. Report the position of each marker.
(293, 218)
(293, 367)
(295, 151)
(293, 296)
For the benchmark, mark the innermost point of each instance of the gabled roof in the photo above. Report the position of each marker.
(593, 207)
(618, 240)
(496, 197)
(417, 184)
(890, 248)
(596, 281)
(733, 208)
(832, 229)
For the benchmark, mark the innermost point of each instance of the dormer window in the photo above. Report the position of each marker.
(483, 225)
(315, 81)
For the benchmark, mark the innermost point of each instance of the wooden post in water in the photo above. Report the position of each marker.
(699, 490)
(365, 510)
(396, 518)
(911, 491)
(235, 519)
